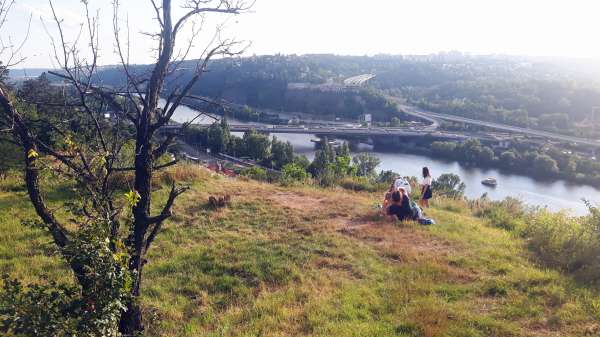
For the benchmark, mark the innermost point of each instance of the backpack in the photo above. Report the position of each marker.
(426, 221)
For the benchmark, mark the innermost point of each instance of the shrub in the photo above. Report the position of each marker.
(386, 177)
(11, 182)
(256, 173)
(183, 173)
(361, 184)
(52, 309)
(121, 180)
(327, 177)
(292, 173)
(570, 244)
(558, 240)
(507, 214)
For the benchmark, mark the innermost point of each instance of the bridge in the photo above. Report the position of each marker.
(336, 131)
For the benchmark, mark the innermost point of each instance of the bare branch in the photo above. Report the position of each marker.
(164, 214)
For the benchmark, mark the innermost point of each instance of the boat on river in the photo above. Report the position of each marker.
(489, 182)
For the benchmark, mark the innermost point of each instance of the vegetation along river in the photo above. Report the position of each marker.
(555, 194)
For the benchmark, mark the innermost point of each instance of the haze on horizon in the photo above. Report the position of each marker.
(563, 28)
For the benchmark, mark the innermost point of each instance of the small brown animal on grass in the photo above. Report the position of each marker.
(219, 201)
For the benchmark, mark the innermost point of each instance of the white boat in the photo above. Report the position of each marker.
(489, 182)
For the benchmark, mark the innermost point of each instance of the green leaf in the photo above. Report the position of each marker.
(132, 197)
(32, 153)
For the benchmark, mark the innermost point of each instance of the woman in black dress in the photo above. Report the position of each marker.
(426, 188)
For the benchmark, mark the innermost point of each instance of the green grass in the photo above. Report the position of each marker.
(302, 261)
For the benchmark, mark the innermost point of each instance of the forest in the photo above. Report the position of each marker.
(528, 92)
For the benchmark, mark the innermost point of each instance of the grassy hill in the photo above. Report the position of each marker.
(304, 261)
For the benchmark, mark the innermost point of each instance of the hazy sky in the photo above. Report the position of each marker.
(523, 27)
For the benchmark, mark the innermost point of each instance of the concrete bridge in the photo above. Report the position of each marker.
(336, 131)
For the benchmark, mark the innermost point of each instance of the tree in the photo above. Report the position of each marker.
(449, 184)
(343, 167)
(343, 150)
(302, 161)
(294, 172)
(282, 153)
(258, 146)
(324, 159)
(545, 165)
(108, 235)
(218, 138)
(486, 156)
(470, 150)
(321, 162)
(445, 149)
(366, 164)
(508, 159)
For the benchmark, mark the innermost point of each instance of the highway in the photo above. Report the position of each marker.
(337, 131)
(432, 116)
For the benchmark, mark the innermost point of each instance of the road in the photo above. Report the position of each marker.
(432, 116)
(336, 131)
(413, 111)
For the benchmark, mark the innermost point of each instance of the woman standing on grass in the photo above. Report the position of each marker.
(426, 188)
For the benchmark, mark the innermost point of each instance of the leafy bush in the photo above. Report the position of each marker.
(292, 173)
(255, 173)
(63, 310)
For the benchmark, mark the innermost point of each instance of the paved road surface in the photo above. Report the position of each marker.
(411, 110)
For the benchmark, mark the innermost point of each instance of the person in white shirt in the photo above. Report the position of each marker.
(426, 193)
(402, 183)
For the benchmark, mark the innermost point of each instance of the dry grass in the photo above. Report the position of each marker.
(305, 261)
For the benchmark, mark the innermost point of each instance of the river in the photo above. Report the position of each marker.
(556, 194)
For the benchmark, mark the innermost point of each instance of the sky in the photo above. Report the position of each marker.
(568, 28)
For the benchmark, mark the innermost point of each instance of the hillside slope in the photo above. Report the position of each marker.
(303, 261)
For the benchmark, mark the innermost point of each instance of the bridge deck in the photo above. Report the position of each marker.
(337, 131)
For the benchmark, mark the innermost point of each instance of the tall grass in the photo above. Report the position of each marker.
(558, 240)
(508, 214)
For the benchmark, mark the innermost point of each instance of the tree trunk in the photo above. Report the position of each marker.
(131, 323)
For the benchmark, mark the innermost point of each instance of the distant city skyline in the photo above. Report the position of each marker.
(530, 28)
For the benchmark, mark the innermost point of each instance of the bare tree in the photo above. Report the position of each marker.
(93, 159)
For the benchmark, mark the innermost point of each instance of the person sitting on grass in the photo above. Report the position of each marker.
(400, 207)
(387, 199)
(400, 182)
